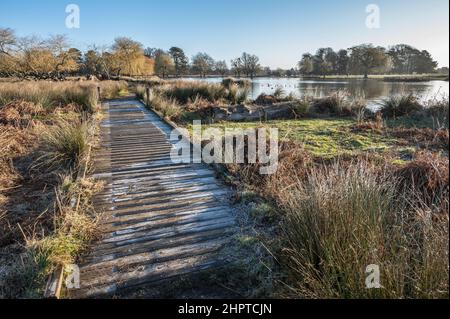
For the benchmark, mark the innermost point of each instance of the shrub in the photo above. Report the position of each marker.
(335, 104)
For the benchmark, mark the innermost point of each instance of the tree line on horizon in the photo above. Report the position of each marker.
(368, 59)
(53, 58)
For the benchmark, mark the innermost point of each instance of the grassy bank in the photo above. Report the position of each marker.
(181, 100)
(389, 139)
(351, 191)
(50, 95)
(46, 133)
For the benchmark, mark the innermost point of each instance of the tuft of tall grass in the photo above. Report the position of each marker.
(51, 94)
(168, 107)
(237, 94)
(358, 107)
(279, 93)
(438, 110)
(242, 95)
(400, 105)
(64, 144)
(340, 219)
(183, 91)
(228, 82)
(140, 91)
(112, 89)
(301, 107)
(74, 228)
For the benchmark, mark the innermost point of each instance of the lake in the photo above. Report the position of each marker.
(372, 90)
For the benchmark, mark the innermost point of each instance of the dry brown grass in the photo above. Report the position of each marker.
(339, 217)
(292, 158)
(37, 221)
(50, 95)
(426, 138)
(24, 196)
(67, 234)
(427, 176)
(63, 144)
(112, 89)
(19, 114)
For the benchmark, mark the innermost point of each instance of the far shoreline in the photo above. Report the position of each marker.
(381, 77)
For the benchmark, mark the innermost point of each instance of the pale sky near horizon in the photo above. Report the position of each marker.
(278, 31)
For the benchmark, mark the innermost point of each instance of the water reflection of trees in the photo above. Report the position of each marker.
(369, 89)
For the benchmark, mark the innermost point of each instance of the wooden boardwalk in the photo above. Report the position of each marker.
(159, 219)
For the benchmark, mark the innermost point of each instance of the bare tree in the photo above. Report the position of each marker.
(8, 63)
(237, 66)
(250, 64)
(221, 67)
(164, 64)
(7, 40)
(66, 59)
(202, 63)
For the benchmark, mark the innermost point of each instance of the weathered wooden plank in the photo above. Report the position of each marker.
(109, 254)
(125, 262)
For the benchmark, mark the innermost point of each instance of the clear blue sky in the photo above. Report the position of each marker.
(278, 31)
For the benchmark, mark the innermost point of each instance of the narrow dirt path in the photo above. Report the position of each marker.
(160, 220)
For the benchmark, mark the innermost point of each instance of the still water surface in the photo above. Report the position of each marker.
(372, 90)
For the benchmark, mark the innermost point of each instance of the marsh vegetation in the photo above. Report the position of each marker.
(356, 184)
(353, 188)
(47, 130)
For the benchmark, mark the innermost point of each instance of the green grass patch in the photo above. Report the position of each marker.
(322, 137)
(247, 241)
(263, 212)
